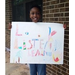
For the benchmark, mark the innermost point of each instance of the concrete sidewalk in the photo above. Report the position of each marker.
(15, 69)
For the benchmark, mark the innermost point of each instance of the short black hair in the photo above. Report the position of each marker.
(39, 8)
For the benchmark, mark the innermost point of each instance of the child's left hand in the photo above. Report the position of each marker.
(64, 26)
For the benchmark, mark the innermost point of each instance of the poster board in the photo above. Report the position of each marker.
(39, 43)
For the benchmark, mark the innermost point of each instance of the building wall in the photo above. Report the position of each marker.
(8, 18)
(57, 11)
(53, 11)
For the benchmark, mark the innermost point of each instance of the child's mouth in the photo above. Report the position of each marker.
(35, 19)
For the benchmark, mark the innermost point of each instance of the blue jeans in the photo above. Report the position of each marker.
(38, 68)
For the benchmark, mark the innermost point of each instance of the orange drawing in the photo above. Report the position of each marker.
(16, 44)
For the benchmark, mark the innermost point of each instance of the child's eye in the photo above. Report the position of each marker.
(35, 13)
(32, 13)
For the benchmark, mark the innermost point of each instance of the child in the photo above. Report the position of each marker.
(35, 15)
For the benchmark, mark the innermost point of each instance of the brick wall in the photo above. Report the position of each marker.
(58, 11)
(8, 18)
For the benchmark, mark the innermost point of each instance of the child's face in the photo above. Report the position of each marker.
(35, 14)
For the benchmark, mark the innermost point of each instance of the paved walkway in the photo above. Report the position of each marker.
(15, 69)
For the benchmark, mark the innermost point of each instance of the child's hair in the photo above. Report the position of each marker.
(36, 7)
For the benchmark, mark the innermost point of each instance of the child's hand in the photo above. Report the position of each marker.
(10, 26)
(64, 26)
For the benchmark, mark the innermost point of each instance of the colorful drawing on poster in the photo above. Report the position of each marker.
(50, 38)
(24, 45)
(57, 56)
(18, 56)
(27, 33)
(17, 29)
(16, 43)
(44, 45)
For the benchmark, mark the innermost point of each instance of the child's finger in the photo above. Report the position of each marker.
(9, 26)
(65, 26)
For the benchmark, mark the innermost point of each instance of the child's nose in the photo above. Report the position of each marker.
(35, 14)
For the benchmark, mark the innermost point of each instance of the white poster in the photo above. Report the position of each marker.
(39, 43)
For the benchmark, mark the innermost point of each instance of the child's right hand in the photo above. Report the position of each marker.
(10, 26)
